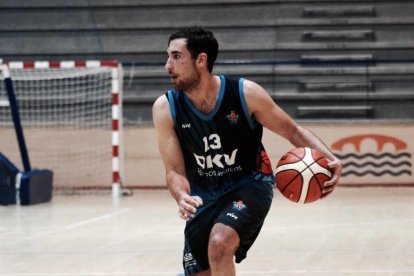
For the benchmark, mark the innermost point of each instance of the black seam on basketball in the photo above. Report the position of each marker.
(290, 182)
(307, 165)
(314, 174)
(299, 173)
(320, 184)
(300, 158)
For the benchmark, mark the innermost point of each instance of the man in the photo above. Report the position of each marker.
(209, 135)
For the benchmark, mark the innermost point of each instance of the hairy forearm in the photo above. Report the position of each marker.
(177, 185)
(305, 138)
(180, 189)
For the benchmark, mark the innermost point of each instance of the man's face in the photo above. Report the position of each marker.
(181, 67)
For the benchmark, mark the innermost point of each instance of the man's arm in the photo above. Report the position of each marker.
(262, 107)
(173, 160)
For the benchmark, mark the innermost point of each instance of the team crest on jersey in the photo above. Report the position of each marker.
(239, 205)
(233, 118)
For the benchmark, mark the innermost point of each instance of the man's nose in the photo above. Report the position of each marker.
(168, 65)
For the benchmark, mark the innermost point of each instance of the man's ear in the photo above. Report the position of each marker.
(202, 60)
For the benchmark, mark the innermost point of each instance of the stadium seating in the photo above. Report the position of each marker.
(310, 55)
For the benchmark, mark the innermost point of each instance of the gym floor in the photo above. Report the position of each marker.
(354, 231)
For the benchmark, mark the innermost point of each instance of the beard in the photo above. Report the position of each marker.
(190, 83)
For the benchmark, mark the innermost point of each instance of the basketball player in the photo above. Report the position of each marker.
(209, 134)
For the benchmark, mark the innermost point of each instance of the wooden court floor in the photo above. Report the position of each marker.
(355, 231)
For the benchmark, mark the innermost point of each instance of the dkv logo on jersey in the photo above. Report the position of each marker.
(217, 160)
(217, 164)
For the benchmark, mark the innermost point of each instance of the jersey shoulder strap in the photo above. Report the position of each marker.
(171, 95)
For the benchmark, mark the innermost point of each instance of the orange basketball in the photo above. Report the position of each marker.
(301, 173)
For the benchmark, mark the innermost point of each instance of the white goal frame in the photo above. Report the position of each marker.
(117, 117)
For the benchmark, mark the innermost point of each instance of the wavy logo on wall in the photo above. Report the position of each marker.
(389, 156)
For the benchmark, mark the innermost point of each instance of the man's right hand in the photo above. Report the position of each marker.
(187, 206)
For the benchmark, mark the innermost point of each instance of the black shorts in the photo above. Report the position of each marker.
(243, 209)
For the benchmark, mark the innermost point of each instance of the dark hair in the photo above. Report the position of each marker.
(199, 41)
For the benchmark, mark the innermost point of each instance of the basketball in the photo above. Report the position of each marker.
(300, 174)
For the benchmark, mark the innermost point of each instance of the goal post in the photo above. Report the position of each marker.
(71, 112)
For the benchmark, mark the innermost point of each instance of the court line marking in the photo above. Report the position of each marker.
(67, 227)
(92, 220)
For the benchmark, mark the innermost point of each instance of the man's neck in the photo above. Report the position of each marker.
(204, 96)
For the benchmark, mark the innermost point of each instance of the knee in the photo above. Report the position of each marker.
(223, 243)
(219, 248)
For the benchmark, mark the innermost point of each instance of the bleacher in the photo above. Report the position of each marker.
(318, 59)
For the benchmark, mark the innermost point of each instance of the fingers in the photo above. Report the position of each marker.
(198, 200)
(336, 167)
(187, 206)
(329, 185)
(327, 191)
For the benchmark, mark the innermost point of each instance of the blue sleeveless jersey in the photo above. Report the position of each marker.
(222, 146)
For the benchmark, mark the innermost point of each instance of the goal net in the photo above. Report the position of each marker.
(72, 121)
